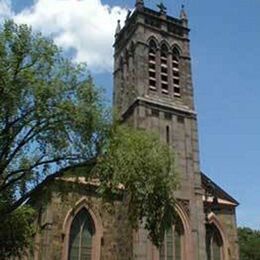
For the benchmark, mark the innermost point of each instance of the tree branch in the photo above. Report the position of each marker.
(37, 128)
(48, 179)
(17, 149)
(10, 137)
(24, 171)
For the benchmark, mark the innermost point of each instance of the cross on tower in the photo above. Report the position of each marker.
(162, 7)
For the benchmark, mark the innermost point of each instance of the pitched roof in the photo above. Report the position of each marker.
(207, 183)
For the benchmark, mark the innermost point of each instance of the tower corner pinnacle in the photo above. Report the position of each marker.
(139, 4)
(184, 16)
(118, 28)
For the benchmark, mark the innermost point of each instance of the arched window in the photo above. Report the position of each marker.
(214, 243)
(121, 64)
(164, 69)
(176, 72)
(178, 234)
(172, 247)
(132, 49)
(81, 234)
(126, 57)
(152, 64)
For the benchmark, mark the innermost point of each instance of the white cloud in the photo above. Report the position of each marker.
(85, 26)
(5, 10)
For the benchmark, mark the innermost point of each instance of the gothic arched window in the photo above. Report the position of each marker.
(176, 72)
(121, 64)
(152, 64)
(132, 49)
(214, 243)
(164, 69)
(172, 247)
(126, 57)
(81, 235)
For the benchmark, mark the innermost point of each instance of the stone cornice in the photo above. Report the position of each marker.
(177, 109)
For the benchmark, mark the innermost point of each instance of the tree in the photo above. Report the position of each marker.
(50, 113)
(16, 233)
(249, 243)
(52, 120)
(137, 164)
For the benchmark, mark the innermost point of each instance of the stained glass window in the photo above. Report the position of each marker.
(213, 243)
(177, 242)
(171, 248)
(81, 234)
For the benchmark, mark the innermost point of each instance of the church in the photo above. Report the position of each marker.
(153, 91)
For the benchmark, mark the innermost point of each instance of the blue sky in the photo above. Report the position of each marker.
(225, 47)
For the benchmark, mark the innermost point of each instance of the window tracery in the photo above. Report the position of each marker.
(172, 247)
(81, 235)
(164, 69)
(214, 243)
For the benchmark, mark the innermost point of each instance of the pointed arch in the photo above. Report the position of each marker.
(164, 68)
(214, 243)
(82, 231)
(176, 50)
(153, 42)
(179, 239)
(176, 70)
(188, 250)
(82, 216)
(164, 49)
(173, 245)
(221, 235)
(164, 46)
(152, 63)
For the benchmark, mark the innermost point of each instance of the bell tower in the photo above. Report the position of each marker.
(153, 91)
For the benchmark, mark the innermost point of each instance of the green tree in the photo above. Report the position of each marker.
(50, 113)
(16, 233)
(52, 120)
(137, 164)
(249, 243)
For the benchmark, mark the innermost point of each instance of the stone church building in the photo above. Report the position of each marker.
(152, 90)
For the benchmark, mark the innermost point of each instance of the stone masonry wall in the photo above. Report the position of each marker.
(116, 242)
(227, 218)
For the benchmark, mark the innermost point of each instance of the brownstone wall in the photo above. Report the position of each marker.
(227, 218)
(116, 239)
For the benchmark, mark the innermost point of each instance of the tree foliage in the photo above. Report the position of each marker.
(137, 164)
(249, 244)
(16, 233)
(52, 120)
(50, 112)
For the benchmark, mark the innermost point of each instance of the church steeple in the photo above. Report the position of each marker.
(153, 91)
(152, 59)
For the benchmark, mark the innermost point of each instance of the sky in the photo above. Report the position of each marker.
(225, 49)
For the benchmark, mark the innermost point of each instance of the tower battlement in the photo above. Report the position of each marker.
(156, 20)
